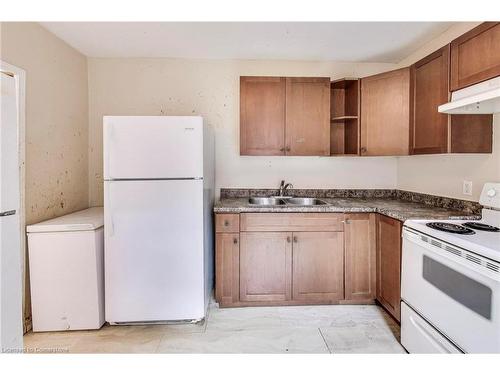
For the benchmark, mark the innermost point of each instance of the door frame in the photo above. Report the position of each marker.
(20, 79)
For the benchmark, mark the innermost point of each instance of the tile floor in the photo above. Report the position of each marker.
(294, 329)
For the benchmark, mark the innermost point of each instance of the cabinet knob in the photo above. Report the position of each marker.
(288, 239)
(282, 149)
(287, 148)
(235, 240)
(363, 150)
(226, 223)
(295, 239)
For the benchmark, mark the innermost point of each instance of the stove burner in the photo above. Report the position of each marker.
(481, 226)
(451, 228)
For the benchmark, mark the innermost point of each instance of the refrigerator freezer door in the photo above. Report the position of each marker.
(154, 250)
(143, 147)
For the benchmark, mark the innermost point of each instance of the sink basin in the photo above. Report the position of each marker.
(305, 201)
(261, 201)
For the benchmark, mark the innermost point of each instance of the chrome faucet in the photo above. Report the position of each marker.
(284, 187)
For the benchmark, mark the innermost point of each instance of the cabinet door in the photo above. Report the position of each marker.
(385, 113)
(389, 264)
(308, 116)
(265, 266)
(262, 116)
(429, 128)
(318, 266)
(475, 56)
(360, 257)
(227, 268)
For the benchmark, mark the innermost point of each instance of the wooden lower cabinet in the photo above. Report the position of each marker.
(360, 257)
(227, 270)
(318, 262)
(356, 261)
(389, 264)
(265, 266)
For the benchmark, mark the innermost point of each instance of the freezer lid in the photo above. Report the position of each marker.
(85, 220)
(153, 147)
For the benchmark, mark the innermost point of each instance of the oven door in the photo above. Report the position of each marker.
(454, 290)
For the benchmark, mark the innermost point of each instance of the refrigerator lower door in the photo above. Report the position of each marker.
(154, 250)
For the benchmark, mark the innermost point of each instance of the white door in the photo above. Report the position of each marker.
(10, 257)
(153, 250)
(144, 147)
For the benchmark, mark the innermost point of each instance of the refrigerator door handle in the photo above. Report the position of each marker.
(110, 208)
(109, 136)
(112, 231)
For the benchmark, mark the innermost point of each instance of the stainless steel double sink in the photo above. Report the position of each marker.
(285, 201)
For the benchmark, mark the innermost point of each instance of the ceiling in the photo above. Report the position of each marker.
(329, 41)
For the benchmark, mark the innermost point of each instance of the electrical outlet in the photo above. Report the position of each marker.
(467, 188)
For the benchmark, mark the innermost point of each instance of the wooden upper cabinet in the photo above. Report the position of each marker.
(475, 56)
(429, 85)
(318, 266)
(262, 115)
(307, 130)
(284, 116)
(385, 113)
(360, 257)
(389, 264)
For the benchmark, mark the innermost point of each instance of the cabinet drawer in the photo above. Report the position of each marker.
(229, 223)
(292, 222)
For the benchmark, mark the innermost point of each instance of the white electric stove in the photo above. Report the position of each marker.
(450, 283)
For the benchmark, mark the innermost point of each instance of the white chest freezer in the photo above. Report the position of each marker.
(66, 261)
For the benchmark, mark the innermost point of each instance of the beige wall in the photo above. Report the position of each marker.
(56, 119)
(210, 88)
(444, 174)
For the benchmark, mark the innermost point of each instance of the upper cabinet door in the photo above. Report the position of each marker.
(308, 116)
(385, 113)
(475, 56)
(429, 128)
(262, 116)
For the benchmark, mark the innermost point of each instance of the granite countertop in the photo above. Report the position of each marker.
(393, 207)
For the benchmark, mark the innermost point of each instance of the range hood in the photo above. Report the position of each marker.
(481, 98)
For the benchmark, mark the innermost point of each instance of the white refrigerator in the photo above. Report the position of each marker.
(158, 198)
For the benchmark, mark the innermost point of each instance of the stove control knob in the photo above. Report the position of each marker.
(491, 193)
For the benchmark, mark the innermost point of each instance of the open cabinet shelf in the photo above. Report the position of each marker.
(344, 117)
